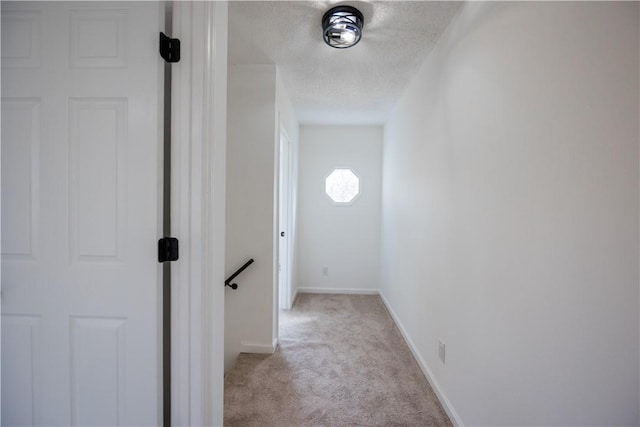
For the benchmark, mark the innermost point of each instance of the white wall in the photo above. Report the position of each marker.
(510, 213)
(258, 106)
(346, 239)
(251, 214)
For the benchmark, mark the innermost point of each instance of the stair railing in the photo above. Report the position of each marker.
(234, 275)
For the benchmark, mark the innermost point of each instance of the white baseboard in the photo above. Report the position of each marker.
(295, 296)
(349, 291)
(446, 404)
(258, 348)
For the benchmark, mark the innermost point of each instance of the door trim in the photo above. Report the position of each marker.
(285, 185)
(199, 86)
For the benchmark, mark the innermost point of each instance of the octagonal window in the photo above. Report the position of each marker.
(342, 186)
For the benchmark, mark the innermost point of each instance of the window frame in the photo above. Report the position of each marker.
(324, 186)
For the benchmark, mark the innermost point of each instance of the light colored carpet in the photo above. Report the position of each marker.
(341, 361)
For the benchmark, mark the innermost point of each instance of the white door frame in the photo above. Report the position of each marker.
(285, 186)
(199, 90)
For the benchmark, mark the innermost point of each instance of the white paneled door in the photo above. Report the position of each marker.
(80, 213)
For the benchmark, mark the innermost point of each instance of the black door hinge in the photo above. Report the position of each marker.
(167, 249)
(169, 48)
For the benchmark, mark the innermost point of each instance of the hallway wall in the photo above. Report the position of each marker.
(258, 105)
(344, 239)
(510, 214)
(251, 174)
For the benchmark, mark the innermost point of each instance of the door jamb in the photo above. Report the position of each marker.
(287, 186)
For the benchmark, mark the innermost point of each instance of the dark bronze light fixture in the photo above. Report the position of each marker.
(342, 26)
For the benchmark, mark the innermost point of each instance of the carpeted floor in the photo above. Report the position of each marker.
(341, 362)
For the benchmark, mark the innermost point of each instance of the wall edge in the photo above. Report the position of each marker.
(424, 367)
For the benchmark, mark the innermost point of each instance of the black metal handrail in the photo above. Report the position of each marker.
(234, 275)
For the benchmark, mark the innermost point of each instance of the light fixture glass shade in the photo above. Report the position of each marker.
(342, 26)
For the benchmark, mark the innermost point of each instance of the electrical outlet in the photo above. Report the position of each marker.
(325, 271)
(441, 348)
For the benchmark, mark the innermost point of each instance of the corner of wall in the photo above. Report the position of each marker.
(250, 215)
(424, 367)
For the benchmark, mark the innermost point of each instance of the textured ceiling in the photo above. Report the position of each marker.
(358, 85)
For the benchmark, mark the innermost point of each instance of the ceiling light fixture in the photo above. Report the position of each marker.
(342, 26)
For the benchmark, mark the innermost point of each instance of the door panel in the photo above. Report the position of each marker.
(80, 213)
(97, 167)
(97, 342)
(20, 166)
(20, 350)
